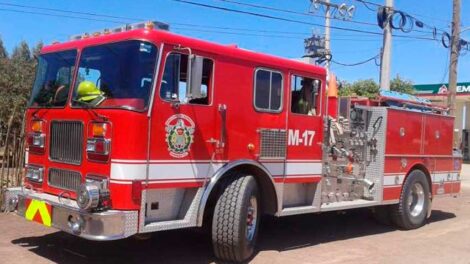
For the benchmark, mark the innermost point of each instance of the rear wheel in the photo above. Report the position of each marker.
(412, 210)
(236, 219)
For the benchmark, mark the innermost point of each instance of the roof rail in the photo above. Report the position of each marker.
(126, 27)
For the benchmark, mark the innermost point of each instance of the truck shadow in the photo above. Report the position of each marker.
(194, 246)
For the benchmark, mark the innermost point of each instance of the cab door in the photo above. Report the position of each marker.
(183, 124)
(305, 129)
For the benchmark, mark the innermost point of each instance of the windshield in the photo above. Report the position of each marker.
(53, 79)
(116, 75)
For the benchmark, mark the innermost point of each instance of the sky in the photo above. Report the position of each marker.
(421, 61)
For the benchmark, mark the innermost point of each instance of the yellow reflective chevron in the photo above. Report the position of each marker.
(40, 206)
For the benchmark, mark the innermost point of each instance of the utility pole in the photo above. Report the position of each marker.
(454, 56)
(327, 32)
(318, 48)
(385, 65)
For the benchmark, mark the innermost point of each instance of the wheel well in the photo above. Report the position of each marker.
(425, 170)
(266, 190)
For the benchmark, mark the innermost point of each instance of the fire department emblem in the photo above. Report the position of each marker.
(179, 135)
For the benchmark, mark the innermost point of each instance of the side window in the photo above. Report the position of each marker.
(268, 91)
(305, 95)
(175, 83)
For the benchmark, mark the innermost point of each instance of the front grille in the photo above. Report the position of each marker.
(273, 143)
(66, 141)
(64, 179)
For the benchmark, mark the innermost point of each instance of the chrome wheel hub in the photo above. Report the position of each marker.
(416, 199)
(251, 218)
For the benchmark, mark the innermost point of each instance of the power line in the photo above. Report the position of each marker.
(117, 17)
(368, 60)
(365, 2)
(275, 36)
(369, 3)
(141, 19)
(189, 25)
(71, 12)
(446, 68)
(290, 20)
(271, 17)
(357, 63)
(293, 12)
(58, 15)
(408, 17)
(184, 24)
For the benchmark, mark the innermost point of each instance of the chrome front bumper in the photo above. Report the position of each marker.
(66, 216)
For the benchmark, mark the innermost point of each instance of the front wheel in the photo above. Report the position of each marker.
(412, 210)
(236, 219)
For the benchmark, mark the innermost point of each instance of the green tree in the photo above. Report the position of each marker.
(3, 51)
(21, 52)
(401, 85)
(368, 88)
(23, 66)
(37, 49)
(16, 79)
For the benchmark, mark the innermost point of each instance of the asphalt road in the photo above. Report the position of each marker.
(351, 237)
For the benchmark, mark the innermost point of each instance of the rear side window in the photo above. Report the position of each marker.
(268, 91)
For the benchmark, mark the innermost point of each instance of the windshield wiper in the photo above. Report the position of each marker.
(89, 108)
(84, 104)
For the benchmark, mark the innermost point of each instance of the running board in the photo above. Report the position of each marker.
(298, 210)
(347, 205)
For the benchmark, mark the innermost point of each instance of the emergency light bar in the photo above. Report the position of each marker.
(127, 27)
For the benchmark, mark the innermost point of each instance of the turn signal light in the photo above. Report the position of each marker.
(99, 129)
(36, 126)
(99, 141)
(36, 138)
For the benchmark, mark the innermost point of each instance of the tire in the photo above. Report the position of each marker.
(236, 219)
(412, 209)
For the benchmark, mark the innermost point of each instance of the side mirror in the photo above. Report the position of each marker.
(195, 65)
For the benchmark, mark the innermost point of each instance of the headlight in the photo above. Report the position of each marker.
(34, 173)
(93, 195)
(88, 196)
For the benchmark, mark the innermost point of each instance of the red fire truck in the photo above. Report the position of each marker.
(137, 130)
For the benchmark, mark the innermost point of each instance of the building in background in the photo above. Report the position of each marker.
(437, 93)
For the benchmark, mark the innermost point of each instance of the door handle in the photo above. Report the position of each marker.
(223, 129)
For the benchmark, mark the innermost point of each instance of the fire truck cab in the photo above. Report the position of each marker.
(137, 130)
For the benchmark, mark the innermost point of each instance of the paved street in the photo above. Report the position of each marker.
(352, 237)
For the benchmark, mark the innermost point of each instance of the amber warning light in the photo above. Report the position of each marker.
(36, 138)
(36, 126)
(99, 129)
(99, 142)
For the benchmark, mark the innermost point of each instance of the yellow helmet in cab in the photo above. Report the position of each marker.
(87, 91)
